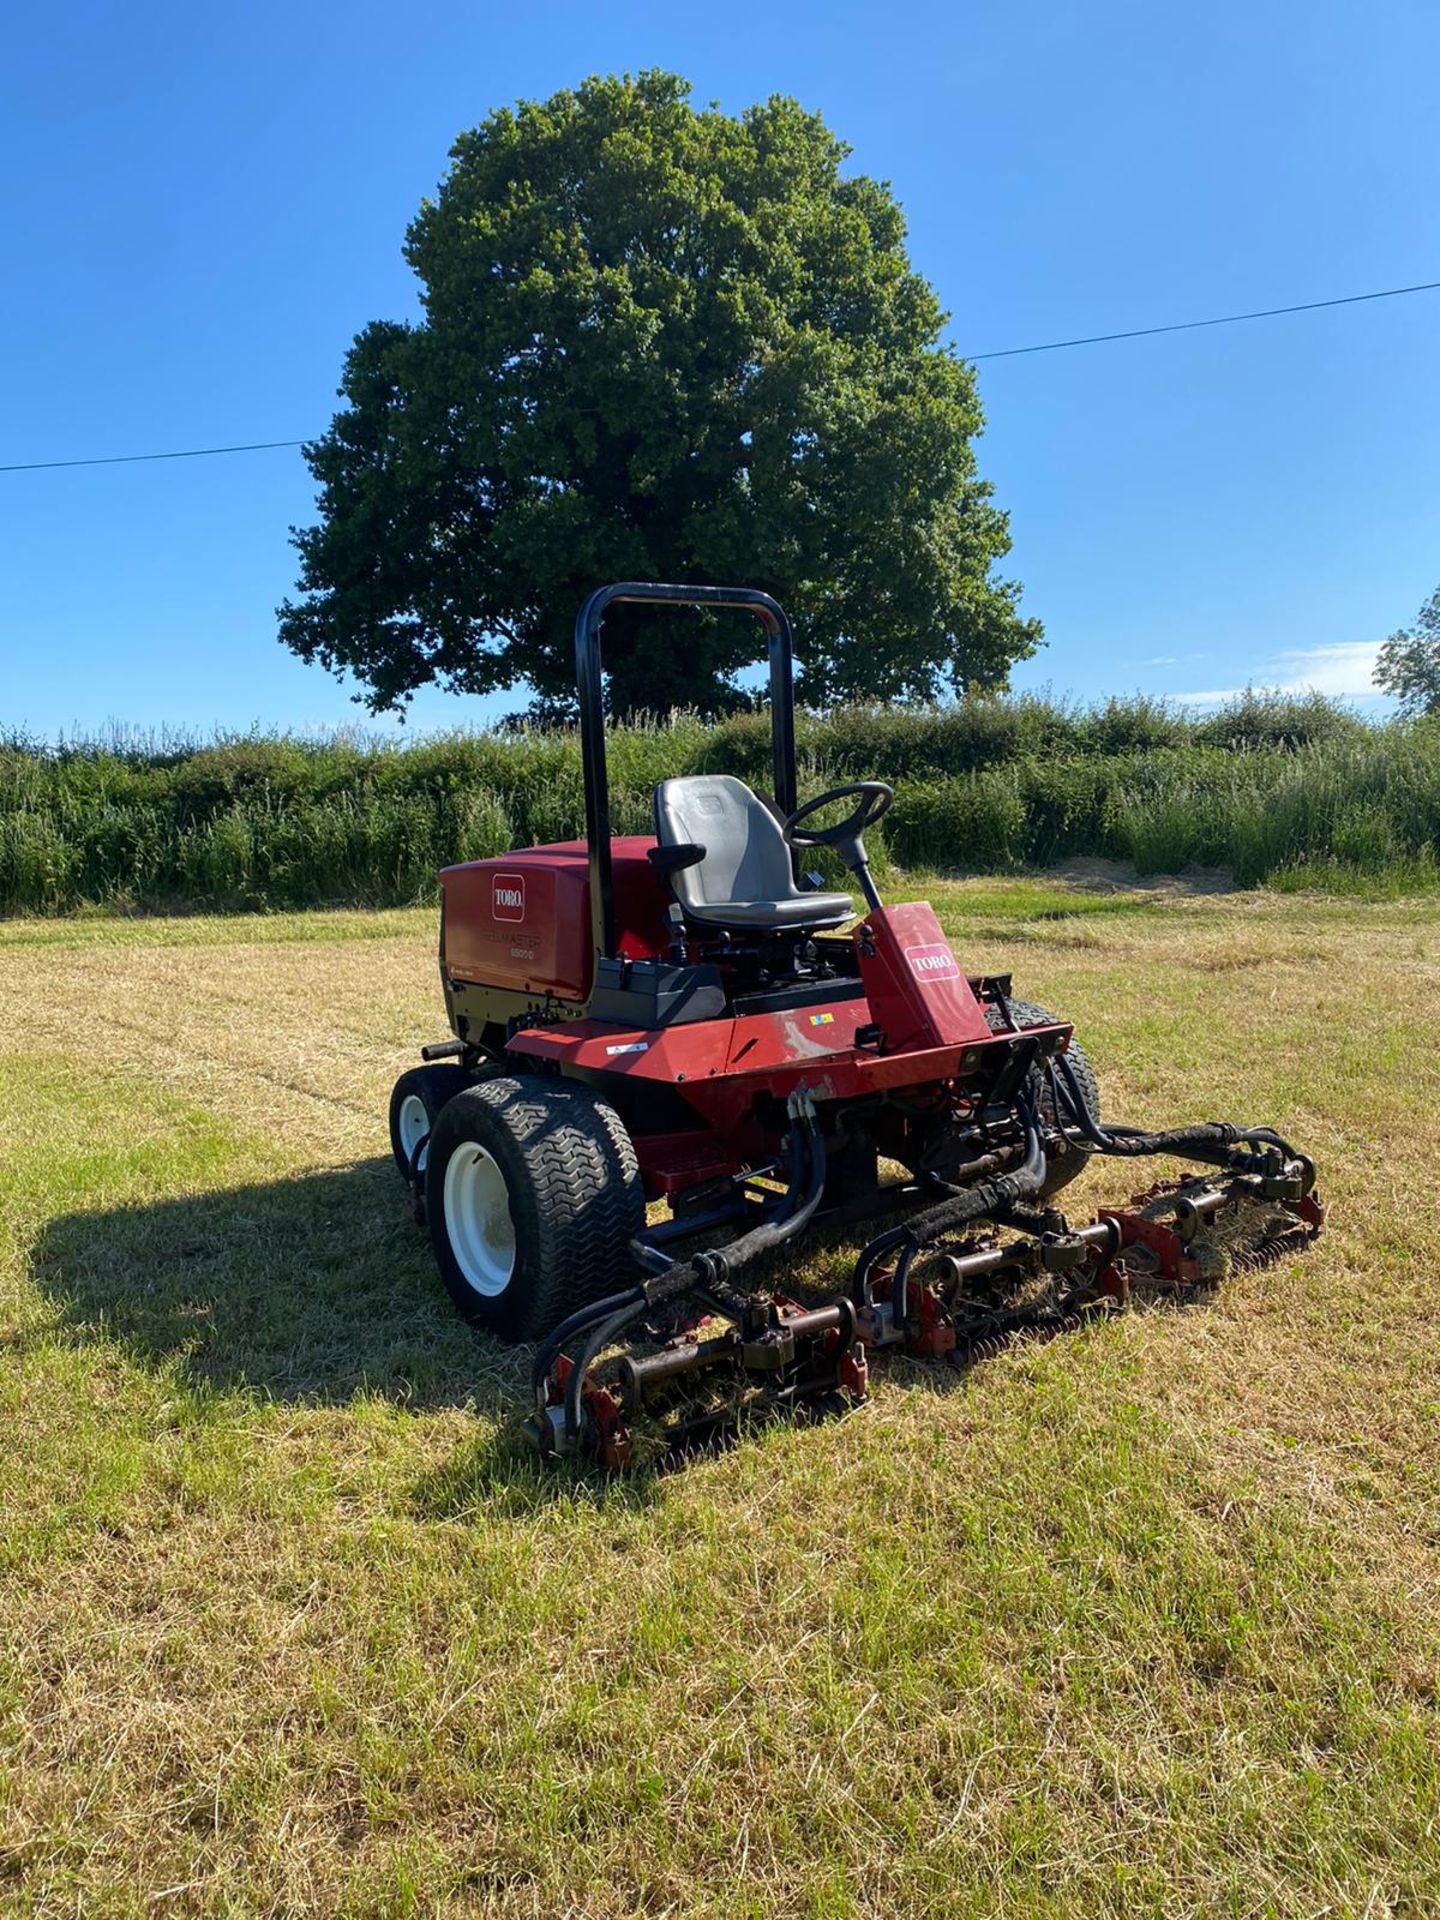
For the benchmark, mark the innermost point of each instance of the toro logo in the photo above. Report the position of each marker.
(933, 963)
(507, 896)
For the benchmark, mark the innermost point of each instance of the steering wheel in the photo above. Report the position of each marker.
(875, 801)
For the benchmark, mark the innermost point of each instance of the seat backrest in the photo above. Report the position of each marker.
(746, 857)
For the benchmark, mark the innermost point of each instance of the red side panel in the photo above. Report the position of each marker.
(523, 921)
(720, 1067)
(918, 995)
(803, 1046)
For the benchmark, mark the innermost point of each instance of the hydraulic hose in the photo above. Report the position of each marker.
(601, 1338)
(604, 1319)
(662, 1284)
(989, 1200)
(576, 1323)
(1210, 1140)
(1267, 1136)
(721, 1262)
(714, 1265)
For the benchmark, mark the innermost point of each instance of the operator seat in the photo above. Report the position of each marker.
(738, 874)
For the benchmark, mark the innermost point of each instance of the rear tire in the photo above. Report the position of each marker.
(415, 1103)
(1061, 1169)
(532, 1194)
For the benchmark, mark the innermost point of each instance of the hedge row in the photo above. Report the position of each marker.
(1287, 791)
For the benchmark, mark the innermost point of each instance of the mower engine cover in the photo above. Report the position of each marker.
(522, 921)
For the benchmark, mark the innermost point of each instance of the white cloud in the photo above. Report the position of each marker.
(1343, 672)
(1347, 669)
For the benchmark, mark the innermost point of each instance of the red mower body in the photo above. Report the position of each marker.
(690, 1019)
(517, 955)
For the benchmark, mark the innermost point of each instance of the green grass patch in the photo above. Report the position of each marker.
(1141, 1621)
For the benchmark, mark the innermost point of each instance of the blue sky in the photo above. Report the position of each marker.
(204, 204)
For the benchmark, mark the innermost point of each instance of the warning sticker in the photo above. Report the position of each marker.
(630, 1046)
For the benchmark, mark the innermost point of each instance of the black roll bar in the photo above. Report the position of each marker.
(590, 688)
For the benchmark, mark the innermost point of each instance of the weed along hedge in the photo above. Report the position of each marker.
(1288, 792)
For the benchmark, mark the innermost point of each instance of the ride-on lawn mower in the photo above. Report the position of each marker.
(681, 1019)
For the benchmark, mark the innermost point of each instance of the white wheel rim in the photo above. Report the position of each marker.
(412, 1125)
(477, 1219)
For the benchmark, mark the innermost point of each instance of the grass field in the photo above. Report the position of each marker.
(1142, 1621)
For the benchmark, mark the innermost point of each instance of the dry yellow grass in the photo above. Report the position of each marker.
(1141, 1621)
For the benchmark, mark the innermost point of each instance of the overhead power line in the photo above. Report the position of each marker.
(997, 353)
(125, 459)
(1220, 320)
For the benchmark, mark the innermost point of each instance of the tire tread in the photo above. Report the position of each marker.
(577, 1202)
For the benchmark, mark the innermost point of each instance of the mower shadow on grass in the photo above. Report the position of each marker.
(320, 1290)
(317, 1290)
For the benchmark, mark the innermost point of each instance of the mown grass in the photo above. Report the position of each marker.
(1143, 1621)
(1301, 793)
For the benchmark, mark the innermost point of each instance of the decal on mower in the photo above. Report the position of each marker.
(507, 896)
(933, 963)
(822, 1019)
(630, 1046)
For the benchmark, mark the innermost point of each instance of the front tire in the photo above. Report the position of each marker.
(1060, 1168)
(532, 1194)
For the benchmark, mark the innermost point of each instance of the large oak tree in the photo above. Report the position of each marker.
(659, 344)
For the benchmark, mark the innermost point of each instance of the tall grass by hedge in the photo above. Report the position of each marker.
(1293, 792)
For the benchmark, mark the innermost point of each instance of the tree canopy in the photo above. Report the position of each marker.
(1408, 664)
(667, 344)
